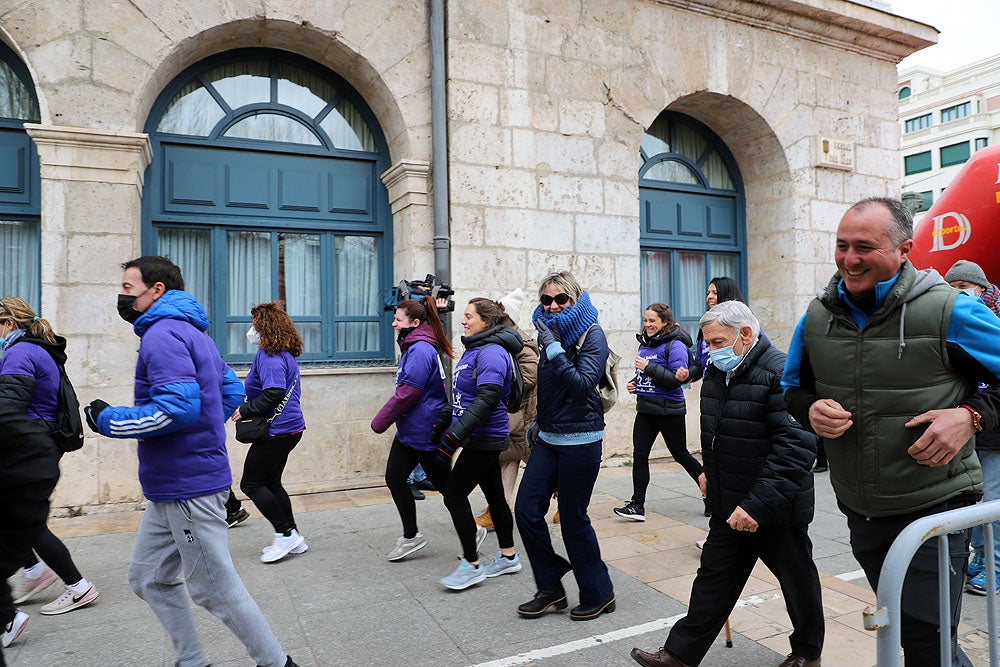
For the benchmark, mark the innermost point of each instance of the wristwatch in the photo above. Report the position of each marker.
(977, 419)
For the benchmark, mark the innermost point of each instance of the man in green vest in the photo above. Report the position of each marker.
(884, 367)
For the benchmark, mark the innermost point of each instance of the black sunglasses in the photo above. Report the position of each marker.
(562, 299)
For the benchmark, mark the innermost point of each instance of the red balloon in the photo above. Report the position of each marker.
(964, 223)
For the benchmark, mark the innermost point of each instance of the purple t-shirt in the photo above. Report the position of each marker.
(278, 371)
(494, 367)
(672, 359)
(420, 367)
(25, 358)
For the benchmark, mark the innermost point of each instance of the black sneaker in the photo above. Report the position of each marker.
(417, 493)
(632, 512)
(425, 484)
(239, 516)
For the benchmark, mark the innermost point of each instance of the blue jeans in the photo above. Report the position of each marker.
(418, 475)
(572, 471)
(991, 491)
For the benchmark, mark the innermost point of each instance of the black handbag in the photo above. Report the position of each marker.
(254, 429)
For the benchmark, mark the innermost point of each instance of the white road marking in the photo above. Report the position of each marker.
(851, 576)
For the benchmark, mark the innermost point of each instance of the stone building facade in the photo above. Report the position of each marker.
(548, 103)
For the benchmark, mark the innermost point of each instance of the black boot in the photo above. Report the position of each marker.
(545, 598)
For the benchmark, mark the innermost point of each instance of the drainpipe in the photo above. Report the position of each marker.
(439, 145)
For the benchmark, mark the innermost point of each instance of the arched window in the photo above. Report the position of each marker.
(904, 92)
(265, 185)
(692, 215)
(20, 184)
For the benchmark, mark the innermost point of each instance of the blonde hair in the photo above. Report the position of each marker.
(565, 281)
(13, 309)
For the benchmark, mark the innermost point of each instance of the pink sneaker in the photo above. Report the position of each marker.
(69, 601)
(29, 588)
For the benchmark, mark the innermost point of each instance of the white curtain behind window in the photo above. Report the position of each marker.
(190, 250)
(249, 281)
(356, 263)
(299, 257)
(20, 269)
(655, 277)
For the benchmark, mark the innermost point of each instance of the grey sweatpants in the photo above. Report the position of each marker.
(191, 535)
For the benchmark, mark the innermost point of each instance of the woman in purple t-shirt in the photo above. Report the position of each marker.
(661, 368)
(419, 399)
(481, 385)
(273, 387)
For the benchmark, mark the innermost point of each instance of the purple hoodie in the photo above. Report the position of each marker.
(420, 392)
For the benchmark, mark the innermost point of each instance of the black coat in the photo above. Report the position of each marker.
(568, 401)
(755, 455)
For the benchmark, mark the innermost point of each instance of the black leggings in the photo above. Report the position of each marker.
(483, 468)
(262, 479)
(402, 461)
(54, 554)
(644, 432)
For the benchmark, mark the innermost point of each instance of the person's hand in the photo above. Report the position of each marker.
(531, 435)
(949, 430)
(545, 335)
(641, 363)
(829, 418)
(682, 374)
(630, 387)
(703, 484)
(440, 424)
(441, 303)
(742, 522)
(236, 415)
(446, 449)
(93, 411)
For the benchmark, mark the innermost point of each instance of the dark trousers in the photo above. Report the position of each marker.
(233, 503)
(572, 471)
(54, 554)
(262, 479)
(402, 460)
(673, 428)
(871, 538)
(727, 561)
(475, 467)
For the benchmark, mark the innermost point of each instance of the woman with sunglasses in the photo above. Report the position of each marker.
(566, 441)
(661, 367)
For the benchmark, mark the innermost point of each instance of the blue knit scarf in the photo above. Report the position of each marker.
(571, 321)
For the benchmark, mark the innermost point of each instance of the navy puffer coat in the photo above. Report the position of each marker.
(755, 455)
(568, 401)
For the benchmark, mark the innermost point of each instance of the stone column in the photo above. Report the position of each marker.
(91, 216)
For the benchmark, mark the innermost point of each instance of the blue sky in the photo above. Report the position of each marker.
(969, 30)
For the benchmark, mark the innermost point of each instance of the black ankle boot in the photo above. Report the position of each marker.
(545, 598)
(587, 612)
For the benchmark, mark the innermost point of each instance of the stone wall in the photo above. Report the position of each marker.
(548, 102)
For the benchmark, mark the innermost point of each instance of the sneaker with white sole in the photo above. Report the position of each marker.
(14, 629)
(631, 511)
(29, 588)
(239, 516)
(282, 546)
(406, 546)
(500, 564)
(465, 575)
(69, 601)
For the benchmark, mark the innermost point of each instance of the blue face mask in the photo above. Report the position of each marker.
(725, 359)
(9, 339)
(971, 291)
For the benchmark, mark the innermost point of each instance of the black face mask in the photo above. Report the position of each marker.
(125, 308)
(403, 333)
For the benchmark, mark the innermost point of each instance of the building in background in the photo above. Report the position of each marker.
(283, 149)
(945, 117)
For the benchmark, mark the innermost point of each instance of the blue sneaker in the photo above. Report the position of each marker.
(976, 565)
(978, 585)
(500, 564)
(465, 575)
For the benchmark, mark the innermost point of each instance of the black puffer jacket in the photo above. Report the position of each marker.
(755, 455)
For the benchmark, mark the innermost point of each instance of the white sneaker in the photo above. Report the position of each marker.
(404, 547)
(13, 629)
(282, 546)
(69, 601)
(29, 588)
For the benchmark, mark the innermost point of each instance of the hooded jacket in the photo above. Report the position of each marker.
(184, 394)
(658, 391)
(29, 386)
(756, 457)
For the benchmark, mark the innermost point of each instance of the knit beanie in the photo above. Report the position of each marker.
(512, 304)
(968, 271)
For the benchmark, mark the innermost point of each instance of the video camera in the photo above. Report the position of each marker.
(416, 289)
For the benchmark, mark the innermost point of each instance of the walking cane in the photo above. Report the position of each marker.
(729, 634)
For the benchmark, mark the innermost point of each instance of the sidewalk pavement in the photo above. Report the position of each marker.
(343, 604)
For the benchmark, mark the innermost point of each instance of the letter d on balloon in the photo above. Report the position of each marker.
(964, 231)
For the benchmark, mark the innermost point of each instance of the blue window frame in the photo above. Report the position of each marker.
(265, 185)
(918, 123)
(20, 184)
(692, 214)
(955, 112)
(904, 92)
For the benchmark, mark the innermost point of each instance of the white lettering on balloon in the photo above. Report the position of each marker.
(959, 224)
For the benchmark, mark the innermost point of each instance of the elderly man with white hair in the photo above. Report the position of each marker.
(760, 490)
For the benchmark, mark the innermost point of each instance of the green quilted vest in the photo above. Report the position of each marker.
(886, 374)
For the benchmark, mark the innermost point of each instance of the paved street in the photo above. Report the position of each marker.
(343, 604)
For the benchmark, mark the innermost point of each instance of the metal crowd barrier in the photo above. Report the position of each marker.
(885, 617)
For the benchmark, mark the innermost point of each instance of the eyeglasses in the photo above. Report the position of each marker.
(562, 299)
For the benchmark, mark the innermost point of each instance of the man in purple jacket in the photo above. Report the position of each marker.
(184, 393)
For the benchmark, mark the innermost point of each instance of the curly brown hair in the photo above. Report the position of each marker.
(276, 329)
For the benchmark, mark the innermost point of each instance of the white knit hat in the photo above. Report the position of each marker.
(512, 304)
